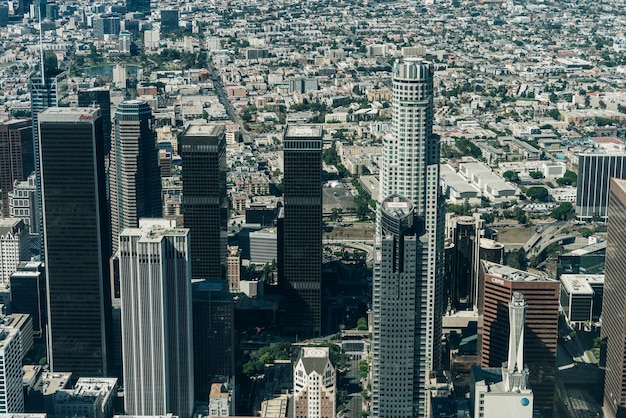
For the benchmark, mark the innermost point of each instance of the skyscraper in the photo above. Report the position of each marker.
(614, 303)
(498, 392)
(155, 277)
(169, 20)
(498, 286)
(77, 239)
(302, 229)
(213, 334)
(462, 255)
(142, 6)
(410, 169)
(399, 368)
(48, 89)
(16, 156)
(595, 170)
(100, 96)
(205, 206)
(134, 177)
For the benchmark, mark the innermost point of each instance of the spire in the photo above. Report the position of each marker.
(514, 375)
(517, 318)
(41, 54)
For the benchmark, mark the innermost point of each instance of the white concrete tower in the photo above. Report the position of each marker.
(410, 169)
(155, 279)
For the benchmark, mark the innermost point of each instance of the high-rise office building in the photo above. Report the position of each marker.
(11, 395)
(76, 239)
(494, 390)
(16, 156)
(498, 285)
(614, 304)
(595, 170)
(99, 96)
(142, 6)
(125, 42)
(315, 384)
(169, 20)
(47, 89)
(410, 169)
(106, 24)
(462, 254)
(302, 229)
(134, 179)
(28, 293)
(213, 334)
(155, 277)
(399, 368)
(205, 205)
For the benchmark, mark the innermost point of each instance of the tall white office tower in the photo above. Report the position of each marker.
(410, 170)
(155, 279)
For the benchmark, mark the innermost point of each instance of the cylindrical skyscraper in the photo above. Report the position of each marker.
(410, 169)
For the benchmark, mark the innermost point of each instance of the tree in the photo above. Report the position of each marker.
(569, 179)
(517, 259)
(510, 175)
(537, 193)
(553, 98)
(554, 114)
(563, 212)
(488, 217)
(536, 174)
(361, 324)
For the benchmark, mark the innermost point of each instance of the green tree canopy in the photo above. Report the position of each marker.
(537, 193)
(563, 212)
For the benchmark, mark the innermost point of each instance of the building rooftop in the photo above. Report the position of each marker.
(314, 359)
(590, 249)
(11, 226)
(154, 230)
(204, 130)
(581, 284)
(304, 131)
(69, 114)
(511, 274)
(53, 382)
(621, 183)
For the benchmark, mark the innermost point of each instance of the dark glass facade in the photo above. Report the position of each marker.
(213, 335)
(76, 239)
(100, 97)
(204, 205)
(594, 174)
(302, 229)
(134, 175)
(16, 156)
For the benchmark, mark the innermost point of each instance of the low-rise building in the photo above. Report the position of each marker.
(92, 397)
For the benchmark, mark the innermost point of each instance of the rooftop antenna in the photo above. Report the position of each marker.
(43, 74)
